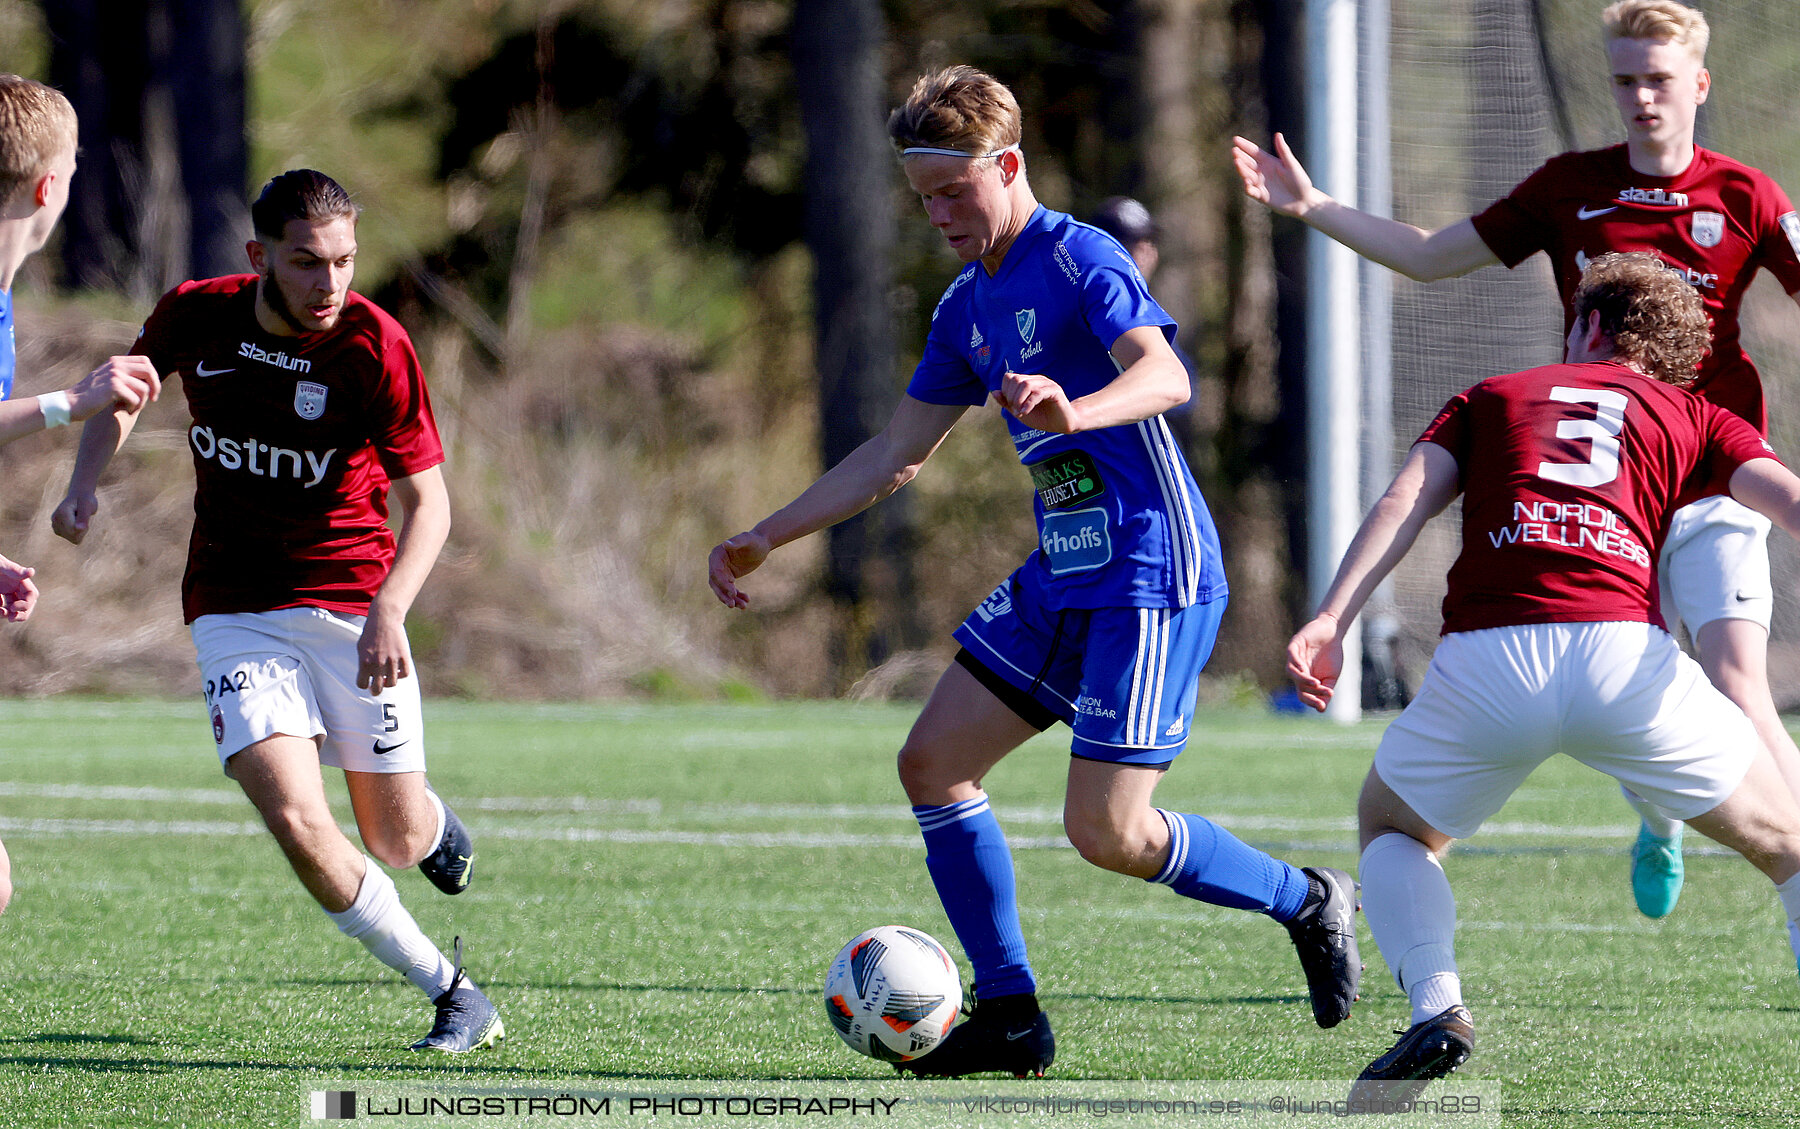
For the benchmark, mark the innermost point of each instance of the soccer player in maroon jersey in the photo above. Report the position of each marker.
(1713, 221)
(309, 414)
(1552, 639)
(37, 161)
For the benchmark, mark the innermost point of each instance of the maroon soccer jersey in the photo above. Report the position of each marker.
(295, 440)
(1714, 224)
(1569, 474)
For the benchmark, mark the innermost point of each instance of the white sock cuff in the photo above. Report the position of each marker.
(1656, 821)
(1395, 841)
(1790, 896)
(373, 899)
(437, 806)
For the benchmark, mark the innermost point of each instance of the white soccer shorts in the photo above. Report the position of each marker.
(1619, 697)
(1715, 565)
(293, 671)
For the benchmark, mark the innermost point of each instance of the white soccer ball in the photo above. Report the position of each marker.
(893, 993)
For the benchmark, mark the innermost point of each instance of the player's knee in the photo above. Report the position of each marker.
(299, 828)
(398, 847)
(1103, 842)
(921, 773)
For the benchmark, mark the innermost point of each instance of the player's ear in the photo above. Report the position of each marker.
(255, 251)
(1705, 84)
(1009, 166)
(40, 193)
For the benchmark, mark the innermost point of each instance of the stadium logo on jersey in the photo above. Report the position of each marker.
(1790, 227)
(1709, 228)
(1655, 196)
(261, 459)
(309, 399)
(1075, 541)
(1027, 320)
(281, 360)
(1065, 480)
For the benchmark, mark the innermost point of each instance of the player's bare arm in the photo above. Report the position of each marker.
(424, 504)
(1151, 380)
(1425, 484)
(1278, 181)
(101, 439)
(124, 383)
(18, 595)
(882, 465)
(1771, 489)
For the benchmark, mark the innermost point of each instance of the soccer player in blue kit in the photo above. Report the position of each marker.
(1107, 623)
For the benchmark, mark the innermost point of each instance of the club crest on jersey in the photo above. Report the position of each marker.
(1027, 320)
(309, 399)
(1790, 227)
(1709, 228)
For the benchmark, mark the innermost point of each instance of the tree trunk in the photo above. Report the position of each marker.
(849, 224)
(160, 91)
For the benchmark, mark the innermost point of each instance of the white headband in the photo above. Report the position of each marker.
(917, 150)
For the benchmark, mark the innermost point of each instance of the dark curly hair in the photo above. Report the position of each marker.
(1653, 315)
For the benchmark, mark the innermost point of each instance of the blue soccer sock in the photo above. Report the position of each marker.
(970, 864)
(1210, 864)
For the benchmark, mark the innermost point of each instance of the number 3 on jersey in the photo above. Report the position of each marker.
(1602, 432)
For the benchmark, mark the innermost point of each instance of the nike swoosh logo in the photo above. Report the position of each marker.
(1014, 1036)
(201, 370)
(1743, 599)
(1587, 213)
(381, 749)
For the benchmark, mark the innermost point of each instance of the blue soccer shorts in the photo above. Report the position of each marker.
(1124, 679)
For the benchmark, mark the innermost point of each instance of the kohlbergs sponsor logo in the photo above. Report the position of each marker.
(259, 458)
(1708, 228)
(1075, 541)
(1790, 227)
(1657, 197)
(309, 399)
(998, 603)
(254, 352)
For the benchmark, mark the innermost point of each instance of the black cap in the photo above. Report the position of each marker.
(1125, 220)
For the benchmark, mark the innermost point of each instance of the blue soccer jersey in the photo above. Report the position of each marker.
(1120, 521)
(6, 345)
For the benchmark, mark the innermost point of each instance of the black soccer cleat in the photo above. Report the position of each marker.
(452, 865)
(1008, 1034)
(1324, 935)
(1428, 1049)
(466, 1019)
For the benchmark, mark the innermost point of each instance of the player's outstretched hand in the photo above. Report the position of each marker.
(1315, 658)
(381, 654)
(1275, 179)
(121, 382)
(70, 519)
(731, 559)
(18, 595)
(1037, 401)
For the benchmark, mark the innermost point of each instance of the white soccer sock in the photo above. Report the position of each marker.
(1790, 901)
(437, 805)
(1656, 821)
(381, 923)
(1412, 913)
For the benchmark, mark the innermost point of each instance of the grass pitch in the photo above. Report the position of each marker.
(660, 888)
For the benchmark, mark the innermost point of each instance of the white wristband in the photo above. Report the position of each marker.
(55, 406)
